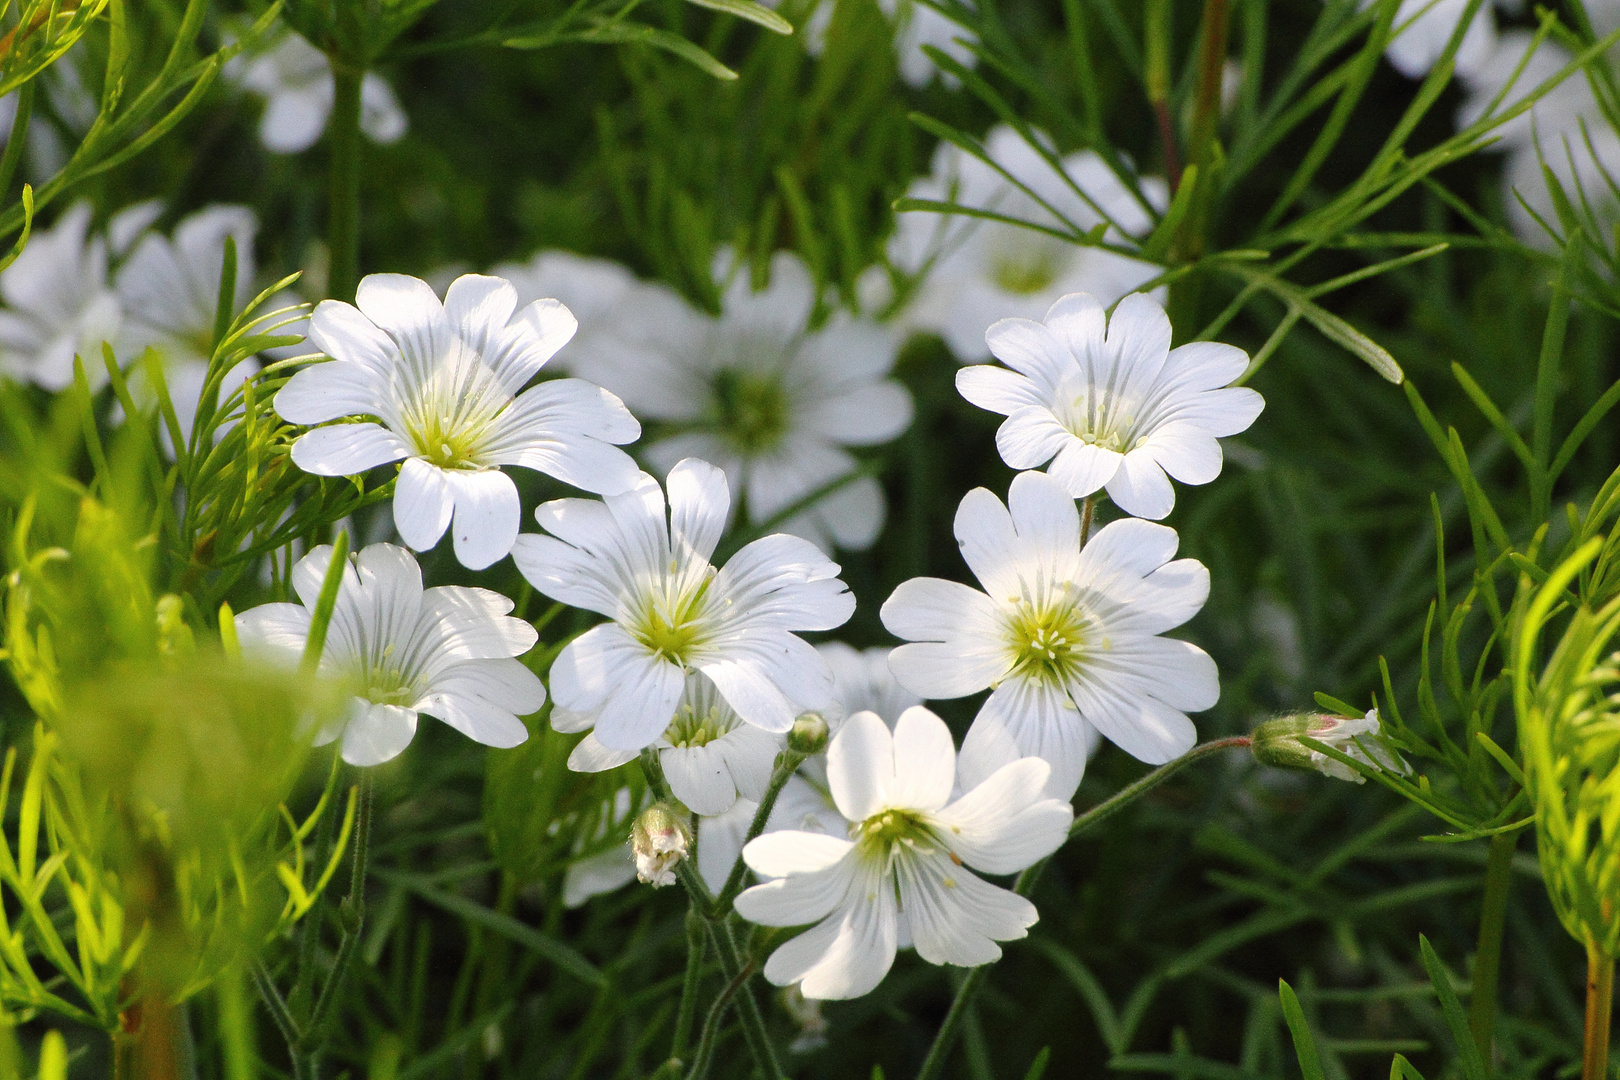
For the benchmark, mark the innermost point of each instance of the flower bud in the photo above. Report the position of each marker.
(1276, 742)
(808, 734)
(660, 838)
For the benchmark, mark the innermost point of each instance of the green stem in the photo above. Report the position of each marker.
(352, 914)
(697, 943)
(787, 763)
(712, 1022)
(753, 1021)
(1488, 955)
(945, 1038)
(1599, 1010)
(343, 221)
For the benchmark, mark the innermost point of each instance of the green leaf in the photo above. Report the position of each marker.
(748, 9)
(1304, 1044)
(1037, 1068)
(632, 33)
(1473, 1065)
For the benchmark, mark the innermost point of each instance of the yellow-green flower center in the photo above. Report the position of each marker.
(694, 727)
(1047, 639)
(1027, 271)
(751, 410)
(673, 627)
(879, 835)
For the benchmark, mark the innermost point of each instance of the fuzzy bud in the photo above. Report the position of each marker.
(1276, 742)
(660, 838)
(808, 735)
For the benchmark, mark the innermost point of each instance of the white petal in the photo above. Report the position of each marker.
(861, 766)
(1041, 722)
(423, 503)
(857, 958)
(790, 852)
(1031, 437)
(347, 449)
(956, 918)
(1139, 724)
(1005, 824)
(1141, 489)
(409, 311)
(590, 756)
(699, 501)
(633, 695)
(864, 415)
(479, 308)
(997, 389)
(785, 583)
(378, 733)
(486, 517)
(294, 119)
(1178, 673)
(325, 392)
(803, 897)
(1083, 468)
(340, 331)
(1030, 348)
(1044, 515)
(699, 778)
(1079, 320)
(277, 632)
(478, 719)
(924, 760)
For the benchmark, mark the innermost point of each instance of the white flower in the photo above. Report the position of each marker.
(295, 79)
(1422, 29)
(169, 290)
(59, 305)
(1067, 637)
(915, 25)
(673, 613)
(709, 755)
(445, 651)
(978, 271)
(446, 381)
(758, 393)
(1109, 403)
(908, 859)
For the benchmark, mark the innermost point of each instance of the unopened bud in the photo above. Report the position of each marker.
(808, 735)
(1276, 742)
(660, 838)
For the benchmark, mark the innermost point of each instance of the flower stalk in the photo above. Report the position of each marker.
(343, 220)
(945, 1037)
(1488, 954)
(787, 763)
(1599, 1011)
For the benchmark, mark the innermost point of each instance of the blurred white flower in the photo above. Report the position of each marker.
(445, 651)
(1566, 129)
(646, 567)
(58, 305)
(768, 400)
(295, 79)
(1423, 27)
(909, 859)
(597, 291)
(862, 682)
(978, 271)
(709, 755)
(915, 25)
(1109, 403)
(169, 290)
(1068, 637)
(609, 869)
(446, 381)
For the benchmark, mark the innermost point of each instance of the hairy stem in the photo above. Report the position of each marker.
(945, 1038)
(343, 218)
(787, 763)
(1599, 1009)
(738, 968)
(697, 943)
(712, 1023)
(1488, 954)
